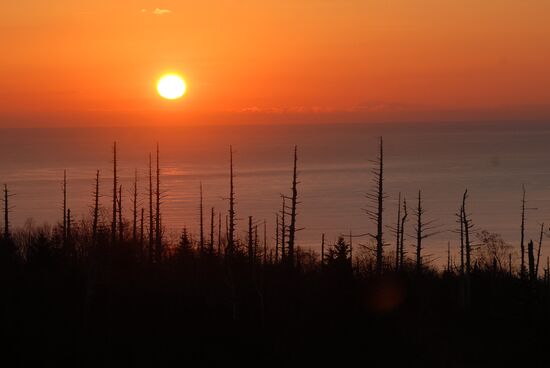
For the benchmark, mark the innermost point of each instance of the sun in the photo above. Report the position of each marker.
(171, 86)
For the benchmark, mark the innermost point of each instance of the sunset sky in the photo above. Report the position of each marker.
(78, 63)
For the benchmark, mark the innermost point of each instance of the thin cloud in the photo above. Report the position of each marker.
(157, 11)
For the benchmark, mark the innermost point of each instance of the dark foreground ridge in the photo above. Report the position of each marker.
(203, 310)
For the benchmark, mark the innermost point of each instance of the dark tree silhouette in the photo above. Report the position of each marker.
(6, 214)
(398, 233)
(201, 221)
(231, 214)
(276, 237)
(375, 210)
(466, 227)
(283, 230)
(539, 248)
(531, 257)
(158, 233)
(95, 211)
(423, 229)
(294, 202)
(402, 237)
(135, 206)
(115, 202)
(522, 270)
(219, 234)
(211, 245)
(120, 219)
(151, 228)
(64, 186)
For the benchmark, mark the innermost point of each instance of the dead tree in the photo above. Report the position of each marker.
(283, 231)
(95, 215)
(115, 202)
(402, 238)
(201, 221)
(231, 225)
(211, 250)
(158, 234)
(466, 227)
(7, 208)
(255, 243)
(531, 257)
(460, 220)
(350, 250)
(68, 222)
(250, 240)
(376, 208)
(398, 233)
(276, 237)
(294, 202)
(539, 249)
(265, 243)
(141, 228)
(323, 250)
(134, 211)
(120, 220)
(64, 208)
(219, 234)
(448, 256)
(423, 229)
(151, 229)
(522, 270)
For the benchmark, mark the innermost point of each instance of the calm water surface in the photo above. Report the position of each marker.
(492, 160)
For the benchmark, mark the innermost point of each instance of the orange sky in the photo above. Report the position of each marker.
(96, 63)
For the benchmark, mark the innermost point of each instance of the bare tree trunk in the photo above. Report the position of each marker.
(467, 226)
(276, 237)
(350, 250)
(461, 220)
(69, 244)
(64, 208)
(531, 256)
(115, 203)
(294, 202)
(250, 241)
(141, 229)
(219, 234)
(255, 244)
(151, 229)
(158, 234)
(134, 212)
(323, 250)
(539, 248)
(120, 220)
(265, 242)
(283, 232)
(419, 231)
(398, 232)
(201, 222)
(449, 256)
(231, 230)
(6, 215)
(95, 217)
(402, 240)
(522, 240)
(211, 251)
(376, 209)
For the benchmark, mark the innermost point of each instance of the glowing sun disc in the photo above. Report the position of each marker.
(171, 86)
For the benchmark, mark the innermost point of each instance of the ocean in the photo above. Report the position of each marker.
(492, 160)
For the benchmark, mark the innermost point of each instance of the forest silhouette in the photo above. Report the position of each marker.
(113, 290)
